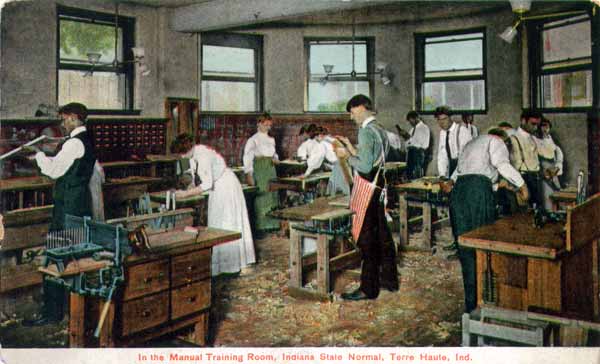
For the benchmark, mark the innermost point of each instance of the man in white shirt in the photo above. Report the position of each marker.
(468, 123)
(417, 145)
(453, 138)
(524, 153)
(472, 200)
(72, 169)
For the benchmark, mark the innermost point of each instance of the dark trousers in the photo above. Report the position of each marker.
(534, 185)
(472, 204)
(415, 162)
(377, 250)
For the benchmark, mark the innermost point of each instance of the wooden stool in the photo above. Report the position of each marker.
(504, 324)
(324, 229)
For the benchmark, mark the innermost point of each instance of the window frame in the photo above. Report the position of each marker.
(420, 79)
(535, 59)
(126, 68)
(235, 40)
(369, 77)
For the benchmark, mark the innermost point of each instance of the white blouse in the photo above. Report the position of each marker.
(259, 145)
(208, 164)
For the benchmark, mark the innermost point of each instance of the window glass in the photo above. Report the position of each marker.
(227, 61)
(333, 96)
(228, 96)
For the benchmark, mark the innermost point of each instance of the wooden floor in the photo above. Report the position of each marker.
(254, 309)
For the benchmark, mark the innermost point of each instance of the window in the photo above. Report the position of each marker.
(562, 64)
(332, 94)
(104, 84)
(231, 78)
(450, 70)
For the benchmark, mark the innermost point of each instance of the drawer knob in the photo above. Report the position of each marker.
(192, 299)
(161, 274)
(190, 268)
(145, 313)
(148, 280)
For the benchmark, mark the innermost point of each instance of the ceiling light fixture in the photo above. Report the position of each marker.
(520, 7)
(381, 68)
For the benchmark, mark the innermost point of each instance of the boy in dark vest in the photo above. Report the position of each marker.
(71, 168)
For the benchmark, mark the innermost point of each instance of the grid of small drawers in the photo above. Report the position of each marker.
(117, 141)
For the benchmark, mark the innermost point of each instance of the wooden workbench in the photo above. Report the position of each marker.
(164, 291)
(553, 269)
(563, 199)
(197, 202)
(298, 184)
(424, 193)
(326, 262)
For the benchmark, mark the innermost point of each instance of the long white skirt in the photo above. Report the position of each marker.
(227, 210)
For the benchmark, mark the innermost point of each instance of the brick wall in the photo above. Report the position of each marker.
(228, 133)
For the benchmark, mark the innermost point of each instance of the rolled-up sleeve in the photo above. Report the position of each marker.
(499, 158)
(248, 159)
(56, 167)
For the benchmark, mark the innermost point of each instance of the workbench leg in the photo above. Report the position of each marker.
(427, 237)
(106, 335)
(323, 264)
(595, 282)
(466, 334)
(403, 216)
(201, 329)
(77, 321)
(295, 257)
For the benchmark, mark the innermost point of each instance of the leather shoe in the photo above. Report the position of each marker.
(42, 321)
(451, 247)
(390, 287)
(453, 256)
(355, 296)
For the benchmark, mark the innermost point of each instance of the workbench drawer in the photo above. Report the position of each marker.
(145, 313)
(191, 267)
(146, 278)
(190, 298)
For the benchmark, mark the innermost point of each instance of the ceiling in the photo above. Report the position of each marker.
(165, 3)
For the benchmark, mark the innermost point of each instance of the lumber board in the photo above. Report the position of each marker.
(582, 223)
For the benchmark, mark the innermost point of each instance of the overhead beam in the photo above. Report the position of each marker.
(227, 14)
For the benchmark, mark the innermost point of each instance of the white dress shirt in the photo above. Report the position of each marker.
(394, 139)
(316, 156)
(549, 150)
(367, 121)
(207, 164)
(472, 129)
(459, 137)
(524, 156)
(56, 167)
(302, 151)
(487, 155)
(329, 151)
(259, 145)
(420, 136)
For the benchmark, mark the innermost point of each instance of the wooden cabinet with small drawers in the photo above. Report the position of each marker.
(165, 291)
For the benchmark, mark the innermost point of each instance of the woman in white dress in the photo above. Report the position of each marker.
(226, 204)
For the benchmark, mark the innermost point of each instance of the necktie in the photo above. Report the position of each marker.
(412, 132)
(448, 145)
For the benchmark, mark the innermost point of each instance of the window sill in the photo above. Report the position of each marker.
(114, 112)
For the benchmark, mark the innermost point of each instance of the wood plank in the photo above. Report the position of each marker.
(25, 183)
(308, 294)
(25, 237)
(544, 285)
(427, 237)
(28, 216)
(334, 214)
(76, 320)
(146, 217)
(323, 276)
(75, 267)
(578, 283)
(19, 276)
(295, 257)
(176, 242)
(142, 337)
(582, 223)
(305, 212)
(517, 234)
(403, 217)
